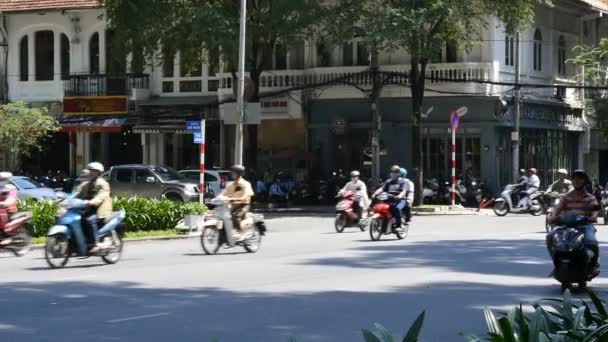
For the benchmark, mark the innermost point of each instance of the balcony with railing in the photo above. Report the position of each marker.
(105, 85)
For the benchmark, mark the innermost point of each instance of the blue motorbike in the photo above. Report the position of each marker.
(67, 237)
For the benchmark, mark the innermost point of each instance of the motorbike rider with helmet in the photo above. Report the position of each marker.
(562, 185)
(399, 187)
(8, 201)
(409, 197)
(240, 192)
(96, 193)
(532, 186)
(359, 188)
(579, 201)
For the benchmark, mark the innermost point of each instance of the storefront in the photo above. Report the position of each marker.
(339, 134)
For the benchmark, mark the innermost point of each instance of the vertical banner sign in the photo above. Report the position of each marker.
(198, 131)
(454, 122)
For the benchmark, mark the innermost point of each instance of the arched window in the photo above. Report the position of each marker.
(538, 50)
(94, 54)
(24, 52)
(45, 55)
(561, 55)
(65, 57)
(509, 50)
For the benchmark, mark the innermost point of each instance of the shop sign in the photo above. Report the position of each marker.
(563, 116)
(96, 105)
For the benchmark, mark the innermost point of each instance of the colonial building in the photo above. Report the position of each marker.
(118, 110)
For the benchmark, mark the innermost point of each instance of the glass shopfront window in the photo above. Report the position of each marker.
(548, 151)
(437, 158)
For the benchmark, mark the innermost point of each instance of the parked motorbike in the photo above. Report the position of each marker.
(461, 191)
(430, 192)
(218, 229)
(572, 259)
(67, 237)
(382, 221)
(16, 234)
(507, 202)
(345, 214)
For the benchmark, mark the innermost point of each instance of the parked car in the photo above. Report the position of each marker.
(215, 179)
(151, 181)
(28, 189)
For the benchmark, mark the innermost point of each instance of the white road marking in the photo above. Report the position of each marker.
(134, 318)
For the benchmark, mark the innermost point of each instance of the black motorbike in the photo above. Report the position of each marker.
(572, 259)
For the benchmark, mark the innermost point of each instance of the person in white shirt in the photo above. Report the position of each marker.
(409, 196)
(360, 189)
(532, 186)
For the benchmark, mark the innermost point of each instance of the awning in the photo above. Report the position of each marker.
(159, 128)
(293, 154)
(99, 126)
(177, 101)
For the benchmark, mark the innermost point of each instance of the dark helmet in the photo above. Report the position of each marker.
(580, 173)
(240, 169)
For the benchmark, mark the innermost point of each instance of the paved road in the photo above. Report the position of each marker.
(306, 282)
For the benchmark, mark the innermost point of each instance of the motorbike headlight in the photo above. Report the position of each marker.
(61, 211)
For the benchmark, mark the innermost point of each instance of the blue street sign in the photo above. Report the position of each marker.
(193, 125)
(454, 120)
(198, 138)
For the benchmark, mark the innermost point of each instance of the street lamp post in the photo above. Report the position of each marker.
(240, 101)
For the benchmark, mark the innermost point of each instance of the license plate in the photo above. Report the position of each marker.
(566, 261)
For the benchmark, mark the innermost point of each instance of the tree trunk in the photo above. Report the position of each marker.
(376, 118)
(418, 69)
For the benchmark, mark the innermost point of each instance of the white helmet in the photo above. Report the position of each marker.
(562, 172)
(95, 166)
(355, 174)
(4, 176)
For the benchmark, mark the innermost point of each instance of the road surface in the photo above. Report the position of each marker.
(307, 282)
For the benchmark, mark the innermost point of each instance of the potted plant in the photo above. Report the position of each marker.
(194, 215)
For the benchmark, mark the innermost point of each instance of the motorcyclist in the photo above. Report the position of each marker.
(579, 201)
(532, 186)
(398, 187)
(240, 192)
(360, 189)
(562, 185)
(409, 197)
(8, 201)
(97, 196)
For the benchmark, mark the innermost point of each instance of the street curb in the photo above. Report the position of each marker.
(137, 240)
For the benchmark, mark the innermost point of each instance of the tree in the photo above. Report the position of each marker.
(593, 65)
(213, 25)
(422, 27)
(22, 130)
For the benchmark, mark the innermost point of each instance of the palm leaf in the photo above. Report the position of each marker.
(414, 331)
(369, 336)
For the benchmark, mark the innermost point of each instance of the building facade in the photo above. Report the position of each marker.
(60, 55)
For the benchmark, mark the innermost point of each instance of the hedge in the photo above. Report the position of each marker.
(143, 214)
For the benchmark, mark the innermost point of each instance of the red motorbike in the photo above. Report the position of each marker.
(382, 221)
(345, 213)
(15, 232)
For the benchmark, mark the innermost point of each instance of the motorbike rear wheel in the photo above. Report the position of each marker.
(57, 251)
(375, 229)
(253, 244)
(340, 222)
(540, 209)
(114, 256)
(210, 240)
(24, 234)
(500, 208)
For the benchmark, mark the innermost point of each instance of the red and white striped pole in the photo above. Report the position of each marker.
(454, 165)
(202, 164)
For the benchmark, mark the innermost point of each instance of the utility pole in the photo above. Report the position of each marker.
(240, 101)
(376, 123)
(516, 112)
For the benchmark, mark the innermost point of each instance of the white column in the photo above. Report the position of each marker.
(153, 155)
(31, 62)
(176, 151)
(145, 149)
(79, 151)
(102, 51)
(57, 56)
(160, 149)
(72, 151)
(222, 144)
(87, 148)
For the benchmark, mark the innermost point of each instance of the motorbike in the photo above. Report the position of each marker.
(507, 202)
(430, 192)
(382, 221)
(572, 259)
(218, 229)
(345, 213)
(604, 205)
(67, 237)
(461, 191)
(553, 200)
(16, 234)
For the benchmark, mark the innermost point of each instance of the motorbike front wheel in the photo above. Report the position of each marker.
(114, 255)
(24, 243)
(57, 251)
(254, 242)
(501, 208)
(210, 240)
(538, 209)
(375, 229)
(340, 222)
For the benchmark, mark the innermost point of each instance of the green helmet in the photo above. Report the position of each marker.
(403, 172)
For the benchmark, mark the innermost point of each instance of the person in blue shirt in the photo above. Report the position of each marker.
(276, 192)
(260, 190)
(397, 186)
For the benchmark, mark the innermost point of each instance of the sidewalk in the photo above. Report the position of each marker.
(326, 209)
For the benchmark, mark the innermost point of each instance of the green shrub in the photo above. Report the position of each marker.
(43, 215)
(380, 334)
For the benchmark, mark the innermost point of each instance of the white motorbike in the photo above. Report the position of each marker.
(218, 229)
(507, 202)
